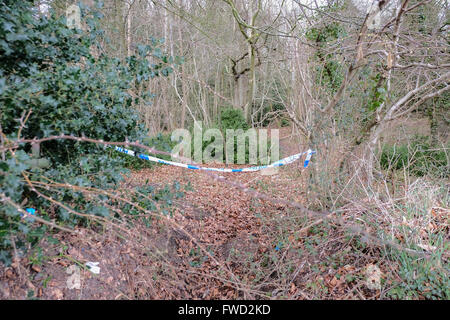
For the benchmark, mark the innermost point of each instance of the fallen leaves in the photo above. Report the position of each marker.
(57, 294)
(247, 241)
(10, 273)
(36, 268)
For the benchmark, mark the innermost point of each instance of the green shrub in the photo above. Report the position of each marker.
(418, 156)
(420, 278)
(273, 107)
(49, 69)
(232, 118)
(394, 157)
(285, 122)
(329, 72)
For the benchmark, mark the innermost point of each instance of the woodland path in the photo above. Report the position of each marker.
(245, 237)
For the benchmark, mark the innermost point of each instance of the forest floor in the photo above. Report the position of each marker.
(219, 243)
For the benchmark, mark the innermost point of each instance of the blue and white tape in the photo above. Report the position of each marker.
(278, 163)
(30, 213)
(308, 157)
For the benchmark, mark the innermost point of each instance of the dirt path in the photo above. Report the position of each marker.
(224, 221)
(217, 242)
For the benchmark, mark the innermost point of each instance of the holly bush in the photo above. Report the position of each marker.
(55, 80)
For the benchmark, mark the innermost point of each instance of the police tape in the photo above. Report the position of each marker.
(278, 163)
